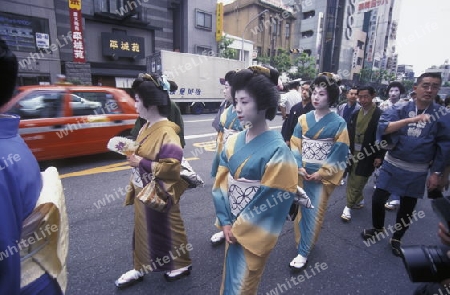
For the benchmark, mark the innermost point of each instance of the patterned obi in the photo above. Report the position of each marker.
(240, 193)
(316, 150)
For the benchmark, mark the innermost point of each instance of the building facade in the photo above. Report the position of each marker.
(381, 23)
(269, 31)
(101, 42)
(29, 30)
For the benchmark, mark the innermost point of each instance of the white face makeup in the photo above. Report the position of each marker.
(394, 94)
(246, 108)
(140, 109)
(319, 98)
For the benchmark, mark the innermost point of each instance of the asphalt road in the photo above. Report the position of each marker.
(101, 230)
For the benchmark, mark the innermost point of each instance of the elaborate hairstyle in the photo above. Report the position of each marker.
(268, 71)
(153, 90)
(396, 84)
(369, 88)
(331, 83)
(259, 86)
(228, 78)
(431, 75)
(8, 73)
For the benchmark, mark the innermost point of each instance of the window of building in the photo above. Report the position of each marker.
(307, 34)
(309, 14)
(203, 50)
(274, 26)
(360, 44)
(287, 28)
(24, 33)
(359, 61)
(119, 7)
(203, 20)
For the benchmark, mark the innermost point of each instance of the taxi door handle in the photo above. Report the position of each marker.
(118, 121)
(58, 126)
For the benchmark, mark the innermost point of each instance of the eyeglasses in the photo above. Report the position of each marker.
(427, 86)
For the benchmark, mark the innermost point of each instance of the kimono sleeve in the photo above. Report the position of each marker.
(219, 143)
(168, 164)
(333, 168)
(220, 190)
(296, 142)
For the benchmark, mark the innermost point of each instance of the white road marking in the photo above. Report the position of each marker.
(195, 121)
(214, 134)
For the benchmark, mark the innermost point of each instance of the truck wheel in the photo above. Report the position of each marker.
(197, 109)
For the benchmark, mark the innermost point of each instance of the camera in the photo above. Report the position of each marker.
(430, 263)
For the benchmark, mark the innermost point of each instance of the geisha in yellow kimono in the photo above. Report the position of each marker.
(255, 185)
(159, 239)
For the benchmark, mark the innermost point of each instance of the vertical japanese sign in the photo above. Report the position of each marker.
(76, 25)
(219, 21)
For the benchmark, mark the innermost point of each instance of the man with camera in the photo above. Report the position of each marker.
(419, 136)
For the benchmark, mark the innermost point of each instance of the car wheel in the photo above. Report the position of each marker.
(197, 108)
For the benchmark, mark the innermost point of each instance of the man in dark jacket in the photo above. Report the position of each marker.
(366, 154)
(296, 111)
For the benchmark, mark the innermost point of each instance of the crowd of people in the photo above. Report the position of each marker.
(406, 144)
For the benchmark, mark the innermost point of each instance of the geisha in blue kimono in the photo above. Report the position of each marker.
(255, 185)
(229, 124)
(320, 144)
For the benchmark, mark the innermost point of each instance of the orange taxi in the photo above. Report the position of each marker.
(67, 121)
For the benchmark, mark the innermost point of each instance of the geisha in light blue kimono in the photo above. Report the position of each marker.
(320, 144)
(229, 124)
(255, 185)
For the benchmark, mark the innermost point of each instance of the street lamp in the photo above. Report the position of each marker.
(246, 26)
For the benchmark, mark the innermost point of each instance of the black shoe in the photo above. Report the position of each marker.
(184, 273)
(396, 248)
(370, 233)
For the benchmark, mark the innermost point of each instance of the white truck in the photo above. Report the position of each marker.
(197, 77)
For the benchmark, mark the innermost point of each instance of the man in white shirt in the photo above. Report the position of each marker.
(290, 98)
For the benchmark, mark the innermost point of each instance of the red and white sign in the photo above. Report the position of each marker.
(76, 25)
(366, 5)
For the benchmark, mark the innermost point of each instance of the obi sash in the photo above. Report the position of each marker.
(316, 150)
(241, 192)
